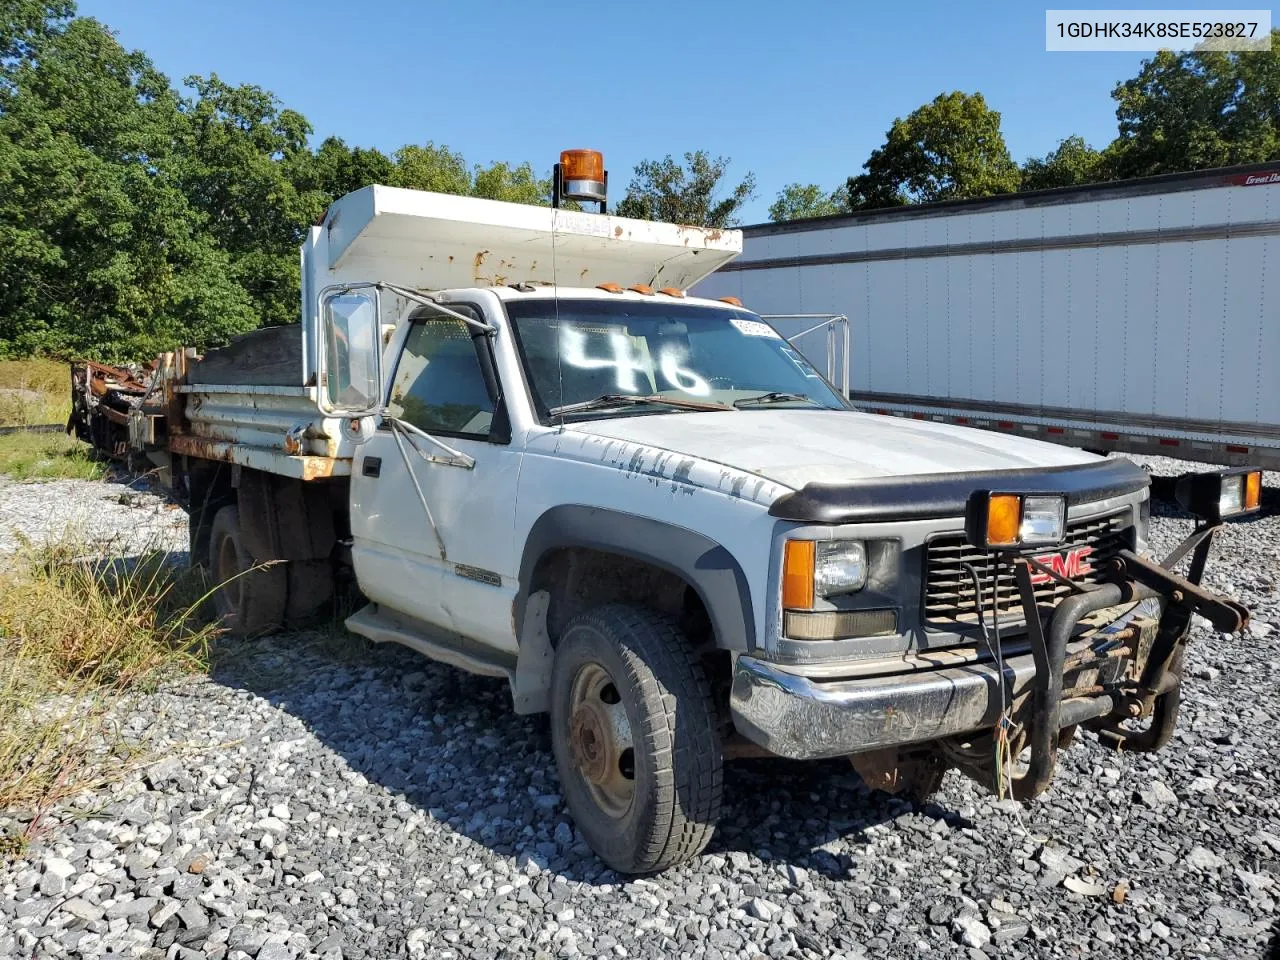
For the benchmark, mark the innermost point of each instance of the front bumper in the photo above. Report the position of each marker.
(794, 716)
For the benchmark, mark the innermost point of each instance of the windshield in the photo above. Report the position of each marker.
(699, 357)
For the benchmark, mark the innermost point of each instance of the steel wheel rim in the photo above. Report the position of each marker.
(600, 740)
(227, 574)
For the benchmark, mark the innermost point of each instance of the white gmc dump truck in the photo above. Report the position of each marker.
(538, 459)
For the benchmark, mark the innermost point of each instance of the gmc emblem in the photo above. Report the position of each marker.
(1073, 564)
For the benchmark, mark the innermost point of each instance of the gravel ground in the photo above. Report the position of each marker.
(125, 515)
(319, 797)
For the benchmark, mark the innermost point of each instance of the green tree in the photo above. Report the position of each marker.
(24, 26)
(801, 201)
(429, 167)
(238, 164)
(336, 169)
(667, 190)
(104, 255)
(1205, 108)
(519, 184)
(1071, 163)
(949, 149)
(134, 218)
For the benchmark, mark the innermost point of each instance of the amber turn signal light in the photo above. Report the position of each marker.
(797, 575)
(1253, 490)
(1004, 516)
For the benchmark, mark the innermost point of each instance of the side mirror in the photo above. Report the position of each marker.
(350, 360)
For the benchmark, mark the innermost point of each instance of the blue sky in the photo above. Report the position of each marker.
(793, 91)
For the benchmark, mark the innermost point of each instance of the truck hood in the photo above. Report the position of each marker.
(796, 447)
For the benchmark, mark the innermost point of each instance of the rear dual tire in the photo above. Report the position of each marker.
(255, 595)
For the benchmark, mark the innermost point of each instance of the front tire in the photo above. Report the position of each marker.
(635, 738)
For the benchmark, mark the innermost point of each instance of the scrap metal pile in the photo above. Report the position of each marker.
(103, 398)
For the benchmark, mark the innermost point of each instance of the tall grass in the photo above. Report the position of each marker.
(76, 632)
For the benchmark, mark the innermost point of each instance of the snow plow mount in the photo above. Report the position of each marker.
(1156, 673)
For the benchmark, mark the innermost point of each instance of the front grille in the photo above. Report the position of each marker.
(948, 588)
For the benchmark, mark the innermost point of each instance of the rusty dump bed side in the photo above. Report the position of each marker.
(242, 404)
(246, 404)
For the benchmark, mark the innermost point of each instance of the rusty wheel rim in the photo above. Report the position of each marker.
(227, 575)
(600, 740)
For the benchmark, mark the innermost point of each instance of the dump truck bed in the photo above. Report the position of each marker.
(245, 403)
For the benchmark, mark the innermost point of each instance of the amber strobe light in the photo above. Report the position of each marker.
(580, 175)
(797, 575)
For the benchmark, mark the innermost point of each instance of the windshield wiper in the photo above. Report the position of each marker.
(608, 400)
(776, 396)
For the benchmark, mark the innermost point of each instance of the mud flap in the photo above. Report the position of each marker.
(531, 682)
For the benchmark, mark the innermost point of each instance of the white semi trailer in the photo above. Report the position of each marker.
(1141, 316)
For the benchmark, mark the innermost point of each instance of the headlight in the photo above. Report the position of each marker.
(1231, 500)
(1042, 519)
(840, 566)
(824, 568)
(1014, 519)
(1219, 495)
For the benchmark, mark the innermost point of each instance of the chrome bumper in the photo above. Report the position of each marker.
(807, 719)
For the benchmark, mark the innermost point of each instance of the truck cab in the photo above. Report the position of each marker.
(542, 459)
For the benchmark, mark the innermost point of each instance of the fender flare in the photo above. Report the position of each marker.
(708, 567)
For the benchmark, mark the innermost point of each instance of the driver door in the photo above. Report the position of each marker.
(432, 524)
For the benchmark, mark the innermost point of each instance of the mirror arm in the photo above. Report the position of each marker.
(456, 458)
(417, 487)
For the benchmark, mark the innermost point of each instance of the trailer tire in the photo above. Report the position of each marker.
(250, 598)
(630, 702)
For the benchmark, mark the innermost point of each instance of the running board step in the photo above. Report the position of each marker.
(429, 641)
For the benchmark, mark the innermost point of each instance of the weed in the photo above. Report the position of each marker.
(78, 635)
